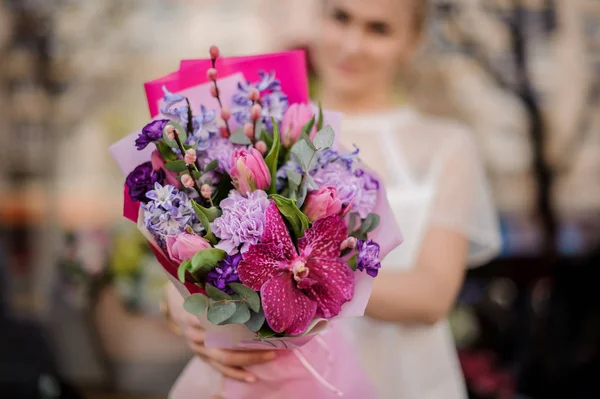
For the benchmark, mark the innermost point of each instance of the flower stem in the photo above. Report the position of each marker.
(219, 100)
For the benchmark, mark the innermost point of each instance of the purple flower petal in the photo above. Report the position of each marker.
(259, 264)
(335, 285)
(324, 238)
(286, 308)
(276, 232)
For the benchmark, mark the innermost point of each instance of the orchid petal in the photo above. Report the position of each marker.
(276, 232)
(335, 285)
(286, 308)
(260, 263)
(324, 238)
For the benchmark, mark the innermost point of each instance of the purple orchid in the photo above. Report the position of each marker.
(152, 132)
(296, 287)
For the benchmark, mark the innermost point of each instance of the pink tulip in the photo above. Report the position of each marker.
(158, 164)
(322, 203)
(295, 117)
(184, 246)
(249, 171)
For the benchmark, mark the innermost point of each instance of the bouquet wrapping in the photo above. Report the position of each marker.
(265, 225)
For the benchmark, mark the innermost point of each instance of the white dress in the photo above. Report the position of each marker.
(433, 177)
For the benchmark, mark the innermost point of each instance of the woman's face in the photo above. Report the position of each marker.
(362, 43)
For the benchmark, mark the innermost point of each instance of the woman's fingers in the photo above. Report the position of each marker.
(240, 358)
(195, 335)
(232, 372)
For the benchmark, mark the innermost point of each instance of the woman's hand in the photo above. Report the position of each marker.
(230, 363)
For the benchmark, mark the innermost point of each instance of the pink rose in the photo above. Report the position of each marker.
(184, 246)
(322, 203)
(249, 171)
(158, 164)
(295, 117)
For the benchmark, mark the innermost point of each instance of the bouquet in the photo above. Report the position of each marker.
(266, 226)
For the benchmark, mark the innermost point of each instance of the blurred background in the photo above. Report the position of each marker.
(79, 292)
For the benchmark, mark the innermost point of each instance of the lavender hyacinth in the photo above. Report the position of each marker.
(226, 273)
(368, 257)
(274, 102)
(220, 149)
(168, 212)
(242, 221)
(205, 127)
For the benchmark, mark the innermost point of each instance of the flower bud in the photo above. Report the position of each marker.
(187, 181)
(261, 146)
(211, 74)
(190, 156)
(206, 191)
(225, 114)
(249, 130)
(214, 92)
(255, 112)
(214, 52)
(171, 132)
(254, 94)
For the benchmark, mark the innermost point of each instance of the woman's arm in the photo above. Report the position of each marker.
(426, 293)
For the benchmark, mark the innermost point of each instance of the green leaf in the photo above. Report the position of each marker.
(256, 321)
(182, 269)
(302, 193)
(203, 216)
(320, 121)
(247, 294)
(241, 315)
(267, 138)
(369, 224)
(294, 177)
(206, 260)
(166, 153)
(311, 182)
(196, 304)
(352, 221)
(216, 294)
(304, 155)
(238, 137)
(298, 221)
(306, 129)
(212, 165)
(272, 157)
(352, 262)
(218, 312)
(324, 138)
(176, 166)
(266, 332)
(196, 174)
(182, 135)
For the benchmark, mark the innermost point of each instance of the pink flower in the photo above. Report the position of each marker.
(249, 171)
(295, 117)
(322, 203)
(184, 246)
(296, 287)
(159, 164)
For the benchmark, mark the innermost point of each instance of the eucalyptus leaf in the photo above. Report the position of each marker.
(272, 158)
(216, 294)
(256, 321)
(352, 221)
(241, 315)
(196, 304)
(176, 166)
(369, 224)
(182, 269)
(304, 155)
(266, 332)
(182, 135)
(311, 182)
(212, 165)
(247, 294)
(302, 193)
(206, 260)
(294, 177)
(352, 262)
(307, 129)
(238, 137)
(324, 138)
(258, 128)
(297, 220)
(219, 312)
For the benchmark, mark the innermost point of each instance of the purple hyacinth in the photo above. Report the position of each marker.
(152, 132)
(205, 127)
(171, 109)
(274, 101)
(226, 273)
(142, 179)
(368, 257)
(242, 221)
(220, 149)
